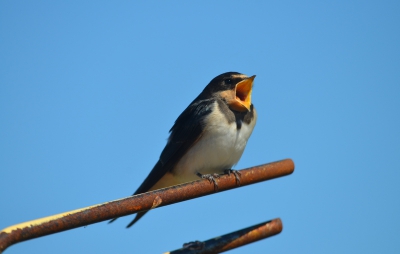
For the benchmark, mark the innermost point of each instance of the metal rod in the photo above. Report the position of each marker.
(133, 204)
(232, 240)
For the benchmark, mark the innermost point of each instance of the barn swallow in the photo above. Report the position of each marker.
(208, 138)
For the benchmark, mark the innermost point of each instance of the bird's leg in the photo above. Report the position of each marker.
(235, 172)
(210, 178)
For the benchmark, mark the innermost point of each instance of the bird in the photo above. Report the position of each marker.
(208, 137)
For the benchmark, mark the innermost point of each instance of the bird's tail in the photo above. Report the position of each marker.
(138, 216)
(155, 175)
(111, 221)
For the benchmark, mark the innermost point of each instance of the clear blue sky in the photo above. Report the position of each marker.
(88, 92)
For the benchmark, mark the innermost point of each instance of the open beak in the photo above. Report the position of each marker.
(243, 89)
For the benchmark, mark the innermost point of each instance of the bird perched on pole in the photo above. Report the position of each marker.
(208, 137)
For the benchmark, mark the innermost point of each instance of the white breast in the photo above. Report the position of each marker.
(220, 147)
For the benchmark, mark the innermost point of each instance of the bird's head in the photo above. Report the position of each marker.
(234, 88)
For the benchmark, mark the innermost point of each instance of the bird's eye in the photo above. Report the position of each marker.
(228, 81)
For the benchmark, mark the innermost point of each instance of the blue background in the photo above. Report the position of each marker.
(89, 90)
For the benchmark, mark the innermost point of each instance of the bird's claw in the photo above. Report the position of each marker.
(196, 245)
(236, 173)
(210, 178)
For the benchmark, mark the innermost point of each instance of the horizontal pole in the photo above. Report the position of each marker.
(138, 203)
(232, 240)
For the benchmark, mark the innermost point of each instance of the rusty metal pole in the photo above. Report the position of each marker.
(143, 202)
(232, 240)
